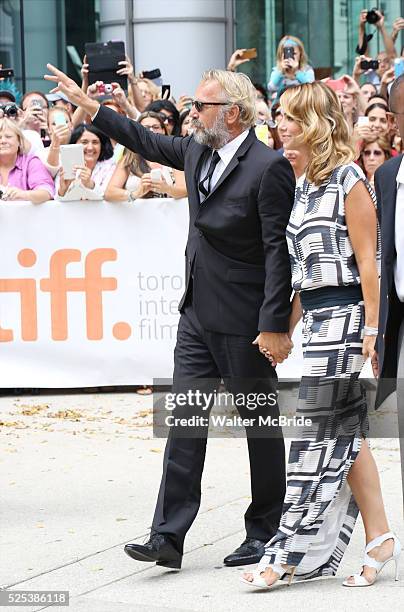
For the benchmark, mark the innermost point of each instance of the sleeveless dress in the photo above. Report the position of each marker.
(319, 511)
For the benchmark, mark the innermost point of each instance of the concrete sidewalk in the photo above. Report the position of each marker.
(78, 479)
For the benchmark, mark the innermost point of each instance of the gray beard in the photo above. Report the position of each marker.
(215, 137)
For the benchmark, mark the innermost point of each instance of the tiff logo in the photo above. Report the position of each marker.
(59, 285)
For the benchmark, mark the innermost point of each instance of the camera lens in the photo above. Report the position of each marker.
(11, 110)
(372, 17)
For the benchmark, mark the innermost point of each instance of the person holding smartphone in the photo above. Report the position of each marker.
(292, 67)
(60, 129)
(35, 107)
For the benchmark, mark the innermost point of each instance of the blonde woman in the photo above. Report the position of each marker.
(22, 175)
(291, 68)
(148, 90)
(333, 242)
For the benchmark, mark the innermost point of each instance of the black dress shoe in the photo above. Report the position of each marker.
(157, 550)
(250, 551)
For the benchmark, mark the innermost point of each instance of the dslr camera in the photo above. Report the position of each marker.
(372, 17)
(369, 64)
(9, 110)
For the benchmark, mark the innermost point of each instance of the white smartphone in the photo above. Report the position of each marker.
(71, 155)
(363, 120)
(155, 175)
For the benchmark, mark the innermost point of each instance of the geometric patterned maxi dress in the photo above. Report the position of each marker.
(319, 511)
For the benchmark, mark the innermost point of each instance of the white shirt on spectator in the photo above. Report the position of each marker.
(35, 141)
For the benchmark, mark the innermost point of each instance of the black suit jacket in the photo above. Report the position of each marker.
(236, 250)
(390, 313)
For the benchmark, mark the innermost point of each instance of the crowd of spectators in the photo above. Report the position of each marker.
(32, 132)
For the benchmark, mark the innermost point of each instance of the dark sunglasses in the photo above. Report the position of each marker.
(167, 118)
(376, 152)
(200, 105)
(10, 110)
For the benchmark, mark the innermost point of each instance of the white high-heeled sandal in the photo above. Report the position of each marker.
(259, 582)
(358, 579)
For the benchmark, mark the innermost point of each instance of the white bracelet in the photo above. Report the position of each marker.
(370, 331)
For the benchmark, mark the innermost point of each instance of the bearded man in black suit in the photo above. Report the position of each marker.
(238, 288)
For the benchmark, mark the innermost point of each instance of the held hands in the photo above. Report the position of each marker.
(276, 347)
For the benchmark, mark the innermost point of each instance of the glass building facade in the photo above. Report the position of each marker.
(328, 29)
(34, 32)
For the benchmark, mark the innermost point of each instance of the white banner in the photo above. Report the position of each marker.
(89, 292)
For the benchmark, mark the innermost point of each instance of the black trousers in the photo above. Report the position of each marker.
(209, 357)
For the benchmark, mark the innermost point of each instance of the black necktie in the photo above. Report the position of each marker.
(213, 162)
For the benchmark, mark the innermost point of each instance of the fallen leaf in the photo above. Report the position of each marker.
(30, 410)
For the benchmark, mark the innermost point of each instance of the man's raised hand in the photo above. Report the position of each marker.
(67, 86)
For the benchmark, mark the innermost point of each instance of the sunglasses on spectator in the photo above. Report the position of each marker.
(9, 110)
(167, 118)
(200, 105)
(376, 152)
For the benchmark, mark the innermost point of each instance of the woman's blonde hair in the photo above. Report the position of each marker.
(303, 61)
(237, 89)
(8, 124)
(153, 89)
(318, 111)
